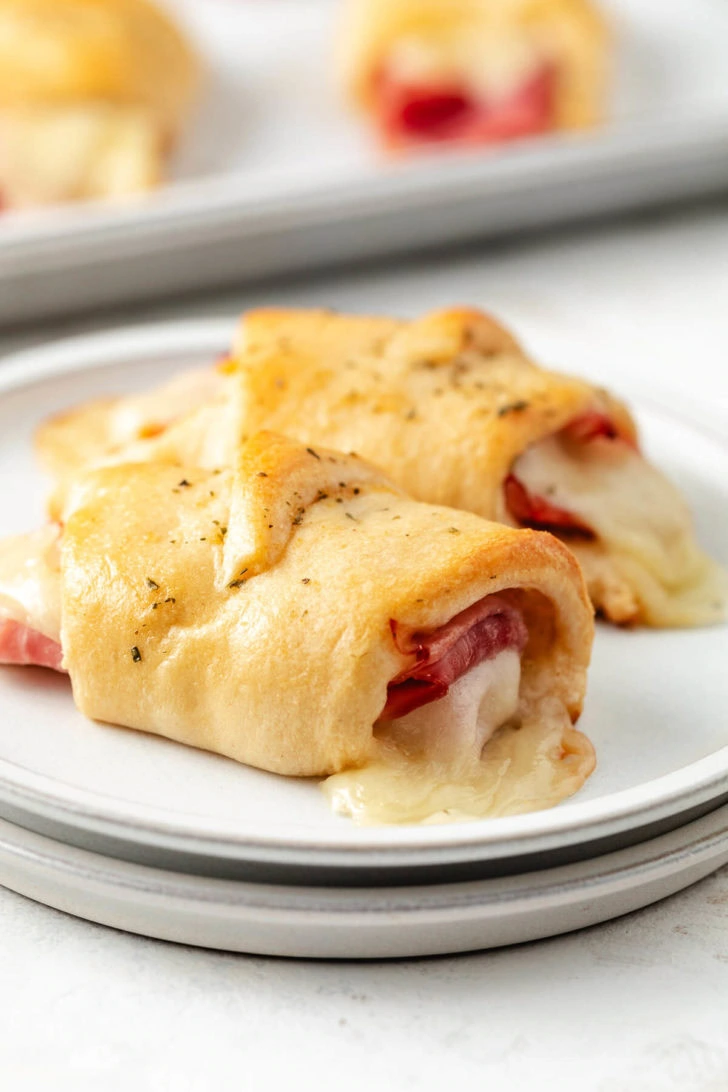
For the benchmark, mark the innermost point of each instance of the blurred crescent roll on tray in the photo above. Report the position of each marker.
(93, 95)
(295, 610)
(473, 71)
(456, 413)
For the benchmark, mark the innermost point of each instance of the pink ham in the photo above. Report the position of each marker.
(420, 114)
(441, 658)
(19, 644)
(594, 425)
(532, 510)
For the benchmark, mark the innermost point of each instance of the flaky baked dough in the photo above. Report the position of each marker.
(445, 404)
(93, 94)
(248, 611)
(574, 32)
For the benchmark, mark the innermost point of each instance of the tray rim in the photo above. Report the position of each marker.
(648, 138)
(32, 794)
(131, 253)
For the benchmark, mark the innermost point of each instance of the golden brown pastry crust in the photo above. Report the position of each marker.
(574, 32)
(64, 52)
(394, 391)
(446, 405)
(194, 418)
(286, 666)
(108, 81)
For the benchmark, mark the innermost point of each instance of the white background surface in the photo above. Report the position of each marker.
(639, 1004)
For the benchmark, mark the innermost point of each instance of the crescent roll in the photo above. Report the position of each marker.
(452, 408)
(93, 94)
(299, 613)
(474, 71)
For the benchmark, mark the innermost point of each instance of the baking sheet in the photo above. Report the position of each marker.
(274, 176)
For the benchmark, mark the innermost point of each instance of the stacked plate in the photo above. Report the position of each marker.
(142, 834)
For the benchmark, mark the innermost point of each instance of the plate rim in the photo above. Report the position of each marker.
(696, 783)
(368, 922)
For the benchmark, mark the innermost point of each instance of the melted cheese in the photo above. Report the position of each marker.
(454, 730)
(644, 532)
(30, 581)
(493, 67)
(66, 153)
(467, 757)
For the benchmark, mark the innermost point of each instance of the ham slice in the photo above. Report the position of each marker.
(532, 510)
(30, 599)
(594, 425)
(441, 658)
(412, 114)
(20, 644)
(535, 510)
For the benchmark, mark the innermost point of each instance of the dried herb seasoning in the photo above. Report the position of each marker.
(513, 407)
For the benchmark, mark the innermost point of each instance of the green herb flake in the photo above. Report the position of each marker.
(513, 407)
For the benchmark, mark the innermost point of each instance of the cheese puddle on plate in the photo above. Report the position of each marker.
(467, 756)
(640, 519)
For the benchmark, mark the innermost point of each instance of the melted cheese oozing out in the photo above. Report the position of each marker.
(30, 582)
(493, 67)
(51, 154)
(464, 757)
(641, 520)
(454, 729)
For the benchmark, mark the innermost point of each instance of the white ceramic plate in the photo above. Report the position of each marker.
(275, 175)
(656, 708)
(368, 923)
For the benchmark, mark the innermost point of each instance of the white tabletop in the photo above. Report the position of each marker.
(638, 1004)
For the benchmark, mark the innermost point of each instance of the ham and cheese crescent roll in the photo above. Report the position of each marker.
(93, 94)
(452, 408)
(296, 611)
(474, 71)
